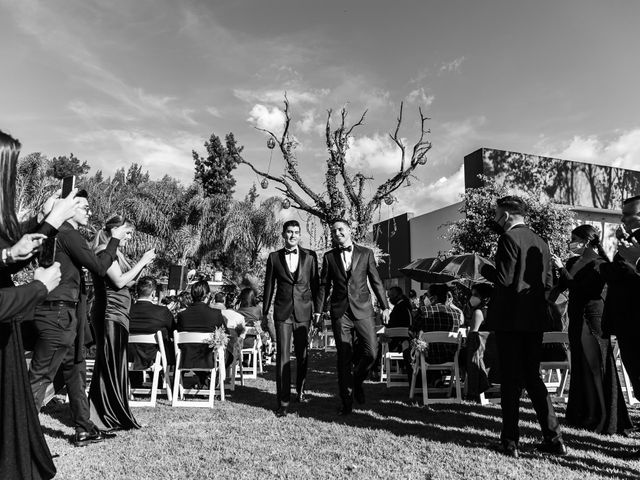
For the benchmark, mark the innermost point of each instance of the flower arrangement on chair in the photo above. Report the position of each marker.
(219, 338)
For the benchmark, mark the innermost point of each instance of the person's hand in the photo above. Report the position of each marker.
(27, 246)
(386, 313)
(629, 250)
(148, 256)
(49, 276)
(120, 232)
(316, 319)
(59, 210)
(557, 261)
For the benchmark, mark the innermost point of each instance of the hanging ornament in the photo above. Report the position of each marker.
(271, 143)
(286, 203)
(423, 161)
(264, 183)
(388, 200)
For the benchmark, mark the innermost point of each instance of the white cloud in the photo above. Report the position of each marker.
(419, 95)
(277, 96)
(269, 118)
(310, 123)
(421, 198)
(214, 112)
(621, 151)
(378, 152)
(452, 66)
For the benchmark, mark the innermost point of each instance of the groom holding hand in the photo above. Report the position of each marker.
(293, 272)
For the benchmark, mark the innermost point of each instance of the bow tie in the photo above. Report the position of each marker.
(346, 249)
(293, 251)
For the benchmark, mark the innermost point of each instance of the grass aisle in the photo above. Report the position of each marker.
(241, 438)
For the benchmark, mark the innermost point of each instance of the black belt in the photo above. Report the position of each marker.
(59, 303)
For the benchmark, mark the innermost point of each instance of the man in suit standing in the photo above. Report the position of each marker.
(345, 271)
(517, 314)
(293, 272)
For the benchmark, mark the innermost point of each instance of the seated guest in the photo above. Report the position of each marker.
(415, 302)
(199, 317)
(439, 316)
(480, 295)
(399, 317)
(149, 317)
(252, 313)
(232, 318)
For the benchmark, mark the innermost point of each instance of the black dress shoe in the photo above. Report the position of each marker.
(358, 394)
(554, 448)
(344, 410)
(508, 449)
(301, 398)
(82, 439)
(281, 411)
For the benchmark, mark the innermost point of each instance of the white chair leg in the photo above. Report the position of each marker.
(425, 387)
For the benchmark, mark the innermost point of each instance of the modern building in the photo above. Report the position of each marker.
(593, 192)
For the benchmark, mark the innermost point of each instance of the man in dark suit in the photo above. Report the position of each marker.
(149, 317)
(293, 272)
(199, 317)
(345, 271)
(621, 316)
(517, 314)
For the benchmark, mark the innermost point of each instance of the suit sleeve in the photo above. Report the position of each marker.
(315, 280)
(80, 252)
(506, 260)
(376, 283)
(619, 271)
(14, 300)
(269, 283)
(325, 284)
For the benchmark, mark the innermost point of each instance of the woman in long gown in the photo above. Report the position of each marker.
(110, 319)
(595, 397)
(24, 453)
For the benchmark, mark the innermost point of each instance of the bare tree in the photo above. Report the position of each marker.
(345, 195)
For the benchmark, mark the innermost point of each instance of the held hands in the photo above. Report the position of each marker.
(557, 261)
(58, 210)
(316, 319)
(49, 276)
(27, 246)
(386, 313)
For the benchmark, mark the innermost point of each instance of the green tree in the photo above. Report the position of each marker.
(214, 171)
(64, 166)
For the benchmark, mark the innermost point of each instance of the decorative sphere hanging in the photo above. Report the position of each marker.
(271, 143)
(423, 161)
(264, 183)
(388, 200)
(286, 203)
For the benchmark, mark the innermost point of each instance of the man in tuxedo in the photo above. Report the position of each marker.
(517, 314)
(149, 317)
(621, 316)
(345, 272)
(293, 272)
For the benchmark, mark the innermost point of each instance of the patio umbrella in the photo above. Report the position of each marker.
(467, 268)
(419, 269)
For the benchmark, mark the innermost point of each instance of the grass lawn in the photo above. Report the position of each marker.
(387, 437)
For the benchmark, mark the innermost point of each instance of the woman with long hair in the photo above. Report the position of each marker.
(110, 319)
(24, 453)
(595, 397)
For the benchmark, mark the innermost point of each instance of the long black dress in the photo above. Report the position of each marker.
(108, 391)
(595, 402)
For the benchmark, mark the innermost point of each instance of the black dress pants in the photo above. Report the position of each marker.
(284, 332)
(519, 355)
(55, 349)
(354, 364)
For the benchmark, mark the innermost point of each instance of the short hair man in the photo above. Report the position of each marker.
(149, 317)
(60, 331)
(517, 314)
(347, 271)
(292, 277)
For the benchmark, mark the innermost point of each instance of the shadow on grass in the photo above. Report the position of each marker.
(445, 423)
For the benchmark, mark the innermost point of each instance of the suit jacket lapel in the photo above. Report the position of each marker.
(337, 257)
(283, 262)
(355, 257)
(302, 257)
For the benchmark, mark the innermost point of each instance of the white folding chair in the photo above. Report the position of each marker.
(252, 354)
(433, 338)
(181, 338)
(327, 336)
(561, 368)
(625, 381)
(393, 362)
(159, 364)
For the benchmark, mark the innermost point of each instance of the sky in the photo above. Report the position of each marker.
(148, 81)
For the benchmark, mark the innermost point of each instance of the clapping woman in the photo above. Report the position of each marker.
(595, 397)
(110, 318)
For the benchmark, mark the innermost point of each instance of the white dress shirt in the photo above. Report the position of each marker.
(346, 257)
(292, 259)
